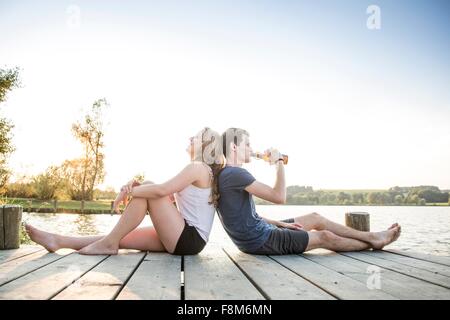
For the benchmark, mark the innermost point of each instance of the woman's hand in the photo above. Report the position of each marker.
(123, 195)
(127, 187)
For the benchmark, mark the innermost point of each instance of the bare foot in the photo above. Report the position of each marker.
(101, 246)
(384, 238)
(48, 240)
(393, 226)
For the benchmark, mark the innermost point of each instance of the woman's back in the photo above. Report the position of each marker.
(194, 204)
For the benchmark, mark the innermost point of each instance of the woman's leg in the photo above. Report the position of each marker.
(131, 217)
(144, 239)
(315, 221)
(167, 221)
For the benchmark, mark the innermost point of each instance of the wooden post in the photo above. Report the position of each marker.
(55, 205)
(82, 206)
(30, 202)
(10, 219)
(358, 220)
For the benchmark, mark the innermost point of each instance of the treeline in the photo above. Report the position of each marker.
(419, 195)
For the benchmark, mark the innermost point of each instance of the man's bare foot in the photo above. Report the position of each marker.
(384, 238)
(48, 240)
(393, 226)
(101, 246)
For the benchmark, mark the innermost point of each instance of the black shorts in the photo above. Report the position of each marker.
(284, 241)
(190, 241)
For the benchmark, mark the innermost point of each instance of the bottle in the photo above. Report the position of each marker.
(266, 157)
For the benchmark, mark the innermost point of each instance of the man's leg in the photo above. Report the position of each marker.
(377, 240)
(328, 240)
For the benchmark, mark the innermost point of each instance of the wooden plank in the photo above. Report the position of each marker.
(444, 260)
(412, 262)
(157, 278)
(401, 268)
(339, 285)
(8, 255)
(19, 267)
(277, 282)
(213, 275)
(48, 281)
(393, 283)
(105, 280)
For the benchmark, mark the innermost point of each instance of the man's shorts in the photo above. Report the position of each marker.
(284, 241)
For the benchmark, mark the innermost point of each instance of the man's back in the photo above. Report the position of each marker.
(237, 212)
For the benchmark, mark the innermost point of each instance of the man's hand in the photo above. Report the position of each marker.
(293, 226)
(274, 155)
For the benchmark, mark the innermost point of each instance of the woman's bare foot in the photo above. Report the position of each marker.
(102, 246)
(384, 238)
(48, 240)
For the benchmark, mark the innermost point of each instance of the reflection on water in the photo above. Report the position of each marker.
(424, 229)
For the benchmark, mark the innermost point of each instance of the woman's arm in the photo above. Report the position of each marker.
(186, 177)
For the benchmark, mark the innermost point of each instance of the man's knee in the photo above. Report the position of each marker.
(319, 221)
(326, 236)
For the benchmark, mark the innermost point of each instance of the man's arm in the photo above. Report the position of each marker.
(277, 194)
(293, 225)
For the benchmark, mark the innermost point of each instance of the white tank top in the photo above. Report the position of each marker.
(193, 203)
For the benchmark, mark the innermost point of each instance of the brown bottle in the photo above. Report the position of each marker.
(266, 157)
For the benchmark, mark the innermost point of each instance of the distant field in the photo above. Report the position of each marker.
(351, 191)
(67, 204)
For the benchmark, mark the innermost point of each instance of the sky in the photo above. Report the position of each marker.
(353, 106)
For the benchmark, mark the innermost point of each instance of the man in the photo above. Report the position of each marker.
(257, 235)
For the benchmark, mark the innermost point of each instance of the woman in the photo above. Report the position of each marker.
(179, 231)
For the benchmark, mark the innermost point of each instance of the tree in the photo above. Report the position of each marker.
(90, 133)
(47, 184)
(374, 197)
(9, 79)
(358, 198)
(399, 199)
(342, 196)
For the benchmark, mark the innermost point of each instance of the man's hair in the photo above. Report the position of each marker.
(234, 135)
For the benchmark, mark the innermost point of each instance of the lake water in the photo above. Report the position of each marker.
(424, 229)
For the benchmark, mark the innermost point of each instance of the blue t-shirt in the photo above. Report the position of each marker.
(237, 212)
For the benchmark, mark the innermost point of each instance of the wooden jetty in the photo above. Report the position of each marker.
(222, 272)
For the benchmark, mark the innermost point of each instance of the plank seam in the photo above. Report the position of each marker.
(406, 274)
(417, 258)
(314, 284)
(407, 265)
(76, 279)
(129, 277)
(263, 293)
(33, 270)
(27, 254)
